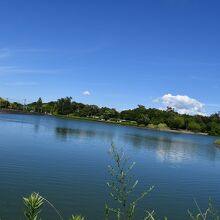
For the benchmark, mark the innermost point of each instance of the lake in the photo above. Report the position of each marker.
(66, 162)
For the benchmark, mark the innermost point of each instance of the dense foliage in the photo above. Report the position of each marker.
(141, 116)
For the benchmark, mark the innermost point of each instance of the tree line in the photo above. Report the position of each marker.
(140, 116)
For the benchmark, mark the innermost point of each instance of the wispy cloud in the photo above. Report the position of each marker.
(13, 51)
(9, 70)
(175, 61)
(4, 53)
(7, 53)
(31, 50)
(21, 83)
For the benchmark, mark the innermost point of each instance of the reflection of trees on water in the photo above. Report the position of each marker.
(168, 148)
(65, 133)
(171, 149)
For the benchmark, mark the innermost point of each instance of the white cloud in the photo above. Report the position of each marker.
(183, 104)
(86, 93)
(9, 70)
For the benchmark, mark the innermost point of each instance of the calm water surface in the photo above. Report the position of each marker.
(66, 161)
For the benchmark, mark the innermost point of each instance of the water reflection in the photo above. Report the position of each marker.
(168, 147)
(23, 120)
(173, 150)
(75, 170)
(65, 133)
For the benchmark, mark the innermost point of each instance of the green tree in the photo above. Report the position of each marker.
(49, 107)
(194, 126)
(39, 105)
(64, 106)
(4, 103)
(177, 122)
(215, 129)
(107, 113)
(143, 119)
(16, 106)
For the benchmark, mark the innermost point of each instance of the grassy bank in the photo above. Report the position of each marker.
(159, 127)
(217, 142)
(152, 118)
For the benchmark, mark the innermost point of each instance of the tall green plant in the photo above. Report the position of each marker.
(209, 214)
(151, 216)
(76, 217)
(33, 205)
(121, 186)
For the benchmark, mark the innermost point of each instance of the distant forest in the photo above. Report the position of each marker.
(140, 116)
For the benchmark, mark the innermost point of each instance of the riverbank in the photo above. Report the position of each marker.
(129, 124)
(217, 142)
(122, 123)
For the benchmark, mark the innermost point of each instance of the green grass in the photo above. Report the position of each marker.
(110, 121)
(217, 142)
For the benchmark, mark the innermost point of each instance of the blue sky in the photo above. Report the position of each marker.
(123, 53)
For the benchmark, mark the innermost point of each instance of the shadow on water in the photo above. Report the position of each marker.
(65, 133)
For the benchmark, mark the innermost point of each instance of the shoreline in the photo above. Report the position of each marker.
(130, 125)
(21, 112)
(217, 142)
